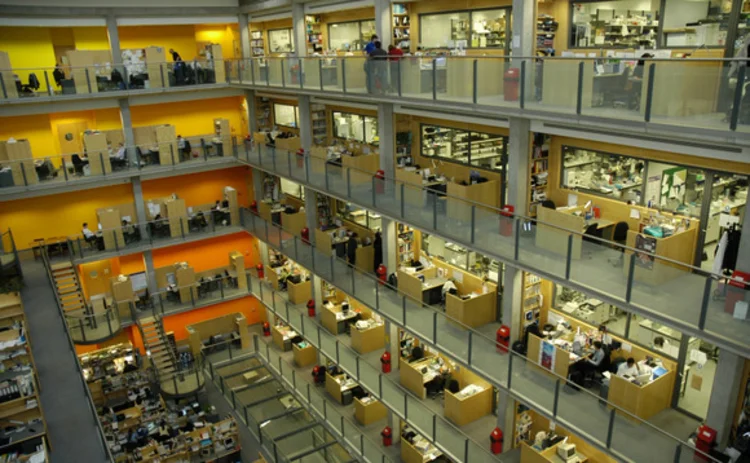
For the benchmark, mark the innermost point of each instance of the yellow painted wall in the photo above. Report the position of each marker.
(32, 218)
(193, 118)
(224, 34)
(30, 51)
(42, 130)
(90, 38)
(180, 37)
(202, 188)
(95, 277)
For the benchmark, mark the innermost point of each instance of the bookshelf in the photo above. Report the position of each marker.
(522, 425)
(401, 25)
(256, 44)
(263, 113)
(23, 436)
(546, 28)
(405, 239)
(538, 172)
(313, 34)
(319, 124)
(532, 299)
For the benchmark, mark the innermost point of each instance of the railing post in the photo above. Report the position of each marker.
(510, 370)
(517, 243)
(473, 223)
(88, 79)
(522, 96)
(50, 91)
(631, 275)
(23, 174)
(569, 257)
(343, 74)
(283, 77)
(161, 71)
(704, 304)
(182, 228)
(2, 84)
(398, 68)
(402, 201)
(475, 80)
(556, 401)
(65, 169)
(320, 73)
(579, 91)
(348, 183)
(252, 71)
(171, 153)
(611, 427)
(434, 79)
(300, 73)
(650, 90)
(101, 161)
(373, 191)
(434, 209)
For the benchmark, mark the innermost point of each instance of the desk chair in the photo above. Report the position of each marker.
(32, 86)
(549, 204)
(77, 164)
(620, 236)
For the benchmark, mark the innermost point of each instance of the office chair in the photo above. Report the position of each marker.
(77, 164)
(592, 231)
(453, 386)
(417, 353)
(549, 204)
(620, 236)
(32, 86)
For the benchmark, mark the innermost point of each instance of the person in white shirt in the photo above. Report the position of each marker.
(449, 287)
(629, 368)
(88, 234)
(120, 156)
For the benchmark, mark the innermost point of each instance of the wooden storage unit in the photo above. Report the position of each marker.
(234, 206)
(223, 132)
(369, 411)
(112, 235)
(305, 356)
(122, 294)
(464, 410)
(21, 164)
(227, 324)
(186, 284)
(97, 152)
(9, 82)
(85, 65)
(166, 140)
(237, 265)
(299, 293)
(217, 57)
(368, 340)
(156, 57)
(177, 217)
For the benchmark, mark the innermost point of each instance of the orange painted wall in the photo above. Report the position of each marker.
(58, 215)
(193, 118)
(202, 188)
(209, 254)
(131, 264)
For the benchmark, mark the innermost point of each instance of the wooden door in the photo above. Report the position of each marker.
(69, 137)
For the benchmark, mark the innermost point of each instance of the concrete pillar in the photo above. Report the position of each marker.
(724, 394)
(519, 149)
(148, 264)
(114, 40)
(383, 24)
(245, 36)
(142, 219)
(387, 135)
(299, 30)
(505, 418)
(252, 117)
(311, 212)
(524, 23)
(390, 244)
(318, 295)
(127, 129)
(305, 122)
(258, 185)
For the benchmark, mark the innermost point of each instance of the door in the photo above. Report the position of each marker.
(69, 137)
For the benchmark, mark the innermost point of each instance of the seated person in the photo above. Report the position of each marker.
(449, 287)
(629, 368)
(417, 353)
(594, 361)
(88, 235)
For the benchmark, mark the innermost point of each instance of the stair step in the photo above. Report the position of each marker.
(71, 295)
(60, 266)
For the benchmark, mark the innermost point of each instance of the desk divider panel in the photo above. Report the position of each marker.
(20, 155)
(111, 224)
(97, 152)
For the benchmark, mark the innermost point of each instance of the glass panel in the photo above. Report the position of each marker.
(280, 41)
(284, 115)
(355, 127)
(348, 360)
(489, 28)
(445, 30)
(600, 24)
(369, 376)
(688, 24)
(327, 344)
(451, 441)
(419, 416)
(605, 174)
(487, 150)
(393, 397)
(485, 358)
(344, 37)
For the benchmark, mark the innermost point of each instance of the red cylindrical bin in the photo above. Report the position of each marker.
(254, 207)
(382, 273)
(319, 374)
(311, 308)
(512, 79)
(385, 362)
(266, 329)
(704, 441)
(496, 441)
(387, 436)
(380, 182)
(305, 234)
(506, 224)
(261, 273)
(503, 338)
(300, 158)
(737, 287)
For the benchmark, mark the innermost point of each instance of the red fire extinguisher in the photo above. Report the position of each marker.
(387, 436)
(261, 273)
(380, 182)
(254, 207)
(305, 234)
(385, 362)
(506, 221)
(496, 439)
(266, 329)
(503, 338)
(311, 308)
(300, 158)
(319, 374)
(382, 273)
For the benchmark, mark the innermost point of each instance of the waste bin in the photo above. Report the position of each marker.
(512, 80)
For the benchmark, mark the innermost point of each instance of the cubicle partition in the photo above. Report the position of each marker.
(227, 325)
(463, 410)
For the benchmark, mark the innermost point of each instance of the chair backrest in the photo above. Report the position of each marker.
(621, 231)
(76, 159)
(549, 204)
(591, 230)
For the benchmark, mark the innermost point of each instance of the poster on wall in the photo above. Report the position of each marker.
(547, 356)
(645, 244)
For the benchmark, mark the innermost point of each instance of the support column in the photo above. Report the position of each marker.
(311, 212)
(252, 116)
(245, 36)
(299, 29)
(142, 219)
(390, 245)
(724, 395)
(383, 23)
(148, 264)
(387, 137)
(318, 295)
(114, 40)
(519, 151)
(524, 21)
(258, 185)
(127, 129)
(305, 122)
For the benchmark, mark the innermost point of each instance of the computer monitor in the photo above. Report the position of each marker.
(138, 280)
(644, 378)
(659, 371)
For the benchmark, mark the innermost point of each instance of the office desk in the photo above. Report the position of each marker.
(642, 401)
(325, 241)
(473, 400)
(421, 451)
(282, 337)
(475, 311)
(531, 455)
(412, 378)
(369, 410)
(369, 339)
(305, 356)
(563, 359)
(340, 388)
(430, 291)
(299, 293)
(334, 320)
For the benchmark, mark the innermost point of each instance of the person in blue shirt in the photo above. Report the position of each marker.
(371, 45)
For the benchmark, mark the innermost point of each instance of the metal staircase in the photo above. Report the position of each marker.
(157, 344)
(68, 288)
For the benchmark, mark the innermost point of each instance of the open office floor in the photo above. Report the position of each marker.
(678, 297)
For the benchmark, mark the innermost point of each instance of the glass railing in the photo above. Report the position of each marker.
(682, 294)
(385, 388)
(69, 81)
(85, 328)
(187, 380)
(278, 414)
(74, 168)
(139, 237)
(106, 453)
(524, 379)
(10, 264)
(702, 93)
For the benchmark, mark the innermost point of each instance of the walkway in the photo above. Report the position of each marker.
(71, 424)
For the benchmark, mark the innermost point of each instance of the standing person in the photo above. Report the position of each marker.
(175, 56)
(371, 45)
(377, 61)
(377, 247)
(394, 55)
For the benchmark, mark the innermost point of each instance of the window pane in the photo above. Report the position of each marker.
(368, 30)
(344, 36)
(487, 150)
(488, 29)
(348, 126)
(291, 188)
(695, 23)
(444, 142)
(280, 41)
(284, 115)
(618, 177)
(623, 23)
(675, 188)
(579, 306)
(443, 30)
(371, 130)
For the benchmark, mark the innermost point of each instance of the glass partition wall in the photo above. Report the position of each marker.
(350, 126)
(281, 41)
(461, 257)
(350, 36)
(483, 150)
(285, 115)
(466, 29)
